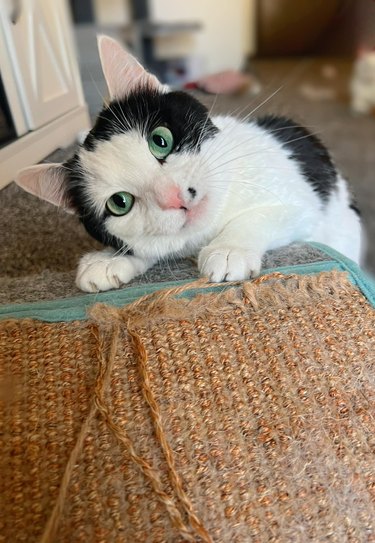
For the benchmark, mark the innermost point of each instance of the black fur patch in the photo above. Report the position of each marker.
(76, 182)
(355, 208)
(147, 109)
(313, 158)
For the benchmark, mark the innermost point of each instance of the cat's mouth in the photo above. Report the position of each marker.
(194, 213)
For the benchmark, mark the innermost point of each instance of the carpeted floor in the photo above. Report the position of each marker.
(40, 245)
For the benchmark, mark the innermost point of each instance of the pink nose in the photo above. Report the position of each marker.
(171, 199)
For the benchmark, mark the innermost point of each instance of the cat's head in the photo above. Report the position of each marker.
(144, 172)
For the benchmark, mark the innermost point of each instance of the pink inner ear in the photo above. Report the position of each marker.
(46, 181)
(122, 72)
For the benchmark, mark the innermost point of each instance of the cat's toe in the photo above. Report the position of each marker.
(95, 278)
(120, 272)
(236, 266)
(228, 264)
(99, 272)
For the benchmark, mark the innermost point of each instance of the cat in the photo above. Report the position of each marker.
(159, 176)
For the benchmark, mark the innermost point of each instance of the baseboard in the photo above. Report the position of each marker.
(34, 146)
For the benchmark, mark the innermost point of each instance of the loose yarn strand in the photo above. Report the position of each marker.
(49, 534)
(195, 522)
(148, 471)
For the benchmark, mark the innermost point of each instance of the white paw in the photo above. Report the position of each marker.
(100, 271)
(228, 263)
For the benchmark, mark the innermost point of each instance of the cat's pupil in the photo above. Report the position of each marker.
(159, 141)
(119, 200)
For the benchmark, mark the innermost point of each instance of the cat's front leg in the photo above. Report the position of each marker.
(104, 270)
(236, 253)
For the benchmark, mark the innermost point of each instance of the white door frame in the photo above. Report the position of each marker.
(35, 146)
(32, 146)
(41, 49)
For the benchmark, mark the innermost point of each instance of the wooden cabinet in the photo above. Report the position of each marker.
(40, 75)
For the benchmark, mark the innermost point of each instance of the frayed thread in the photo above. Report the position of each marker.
(273, 288)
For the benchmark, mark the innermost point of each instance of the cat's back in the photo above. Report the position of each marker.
(276, 145)
(305, 148)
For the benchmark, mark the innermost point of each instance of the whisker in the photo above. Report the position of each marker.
(205, 123)
(264, 102)
(268, 149)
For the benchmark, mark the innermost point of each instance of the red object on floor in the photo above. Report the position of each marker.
(227, 82)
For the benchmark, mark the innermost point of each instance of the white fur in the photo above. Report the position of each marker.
(339, 226)
(102, 270)
(252, 194)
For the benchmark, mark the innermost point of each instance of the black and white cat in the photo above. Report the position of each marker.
(157, 176)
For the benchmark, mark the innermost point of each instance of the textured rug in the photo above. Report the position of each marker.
(242, 414)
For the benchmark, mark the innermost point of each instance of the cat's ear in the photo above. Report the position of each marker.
(123, 73)
(46, 181)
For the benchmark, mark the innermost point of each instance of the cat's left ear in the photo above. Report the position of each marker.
(46, 181)
(123, 73)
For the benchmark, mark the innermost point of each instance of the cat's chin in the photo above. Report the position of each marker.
(185, 219)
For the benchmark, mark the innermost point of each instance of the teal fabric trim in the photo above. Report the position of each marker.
(71, 309)
(75, 308)
(360, 278)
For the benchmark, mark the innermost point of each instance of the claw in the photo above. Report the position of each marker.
(93, 287)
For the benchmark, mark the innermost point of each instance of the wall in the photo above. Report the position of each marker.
(352, 30)
(111, 12)
(227, 35)
(226, 38)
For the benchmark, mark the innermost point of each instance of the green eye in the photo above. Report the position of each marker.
(160, 142)
(120, 203)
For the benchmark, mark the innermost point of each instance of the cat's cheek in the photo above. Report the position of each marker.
(122, 227)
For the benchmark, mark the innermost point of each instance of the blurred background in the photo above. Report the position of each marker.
(313, 61)
(184, 41)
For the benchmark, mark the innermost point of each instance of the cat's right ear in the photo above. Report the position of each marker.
(123, 73)
(46, 181)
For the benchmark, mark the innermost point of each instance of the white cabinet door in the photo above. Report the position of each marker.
(39, 39)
